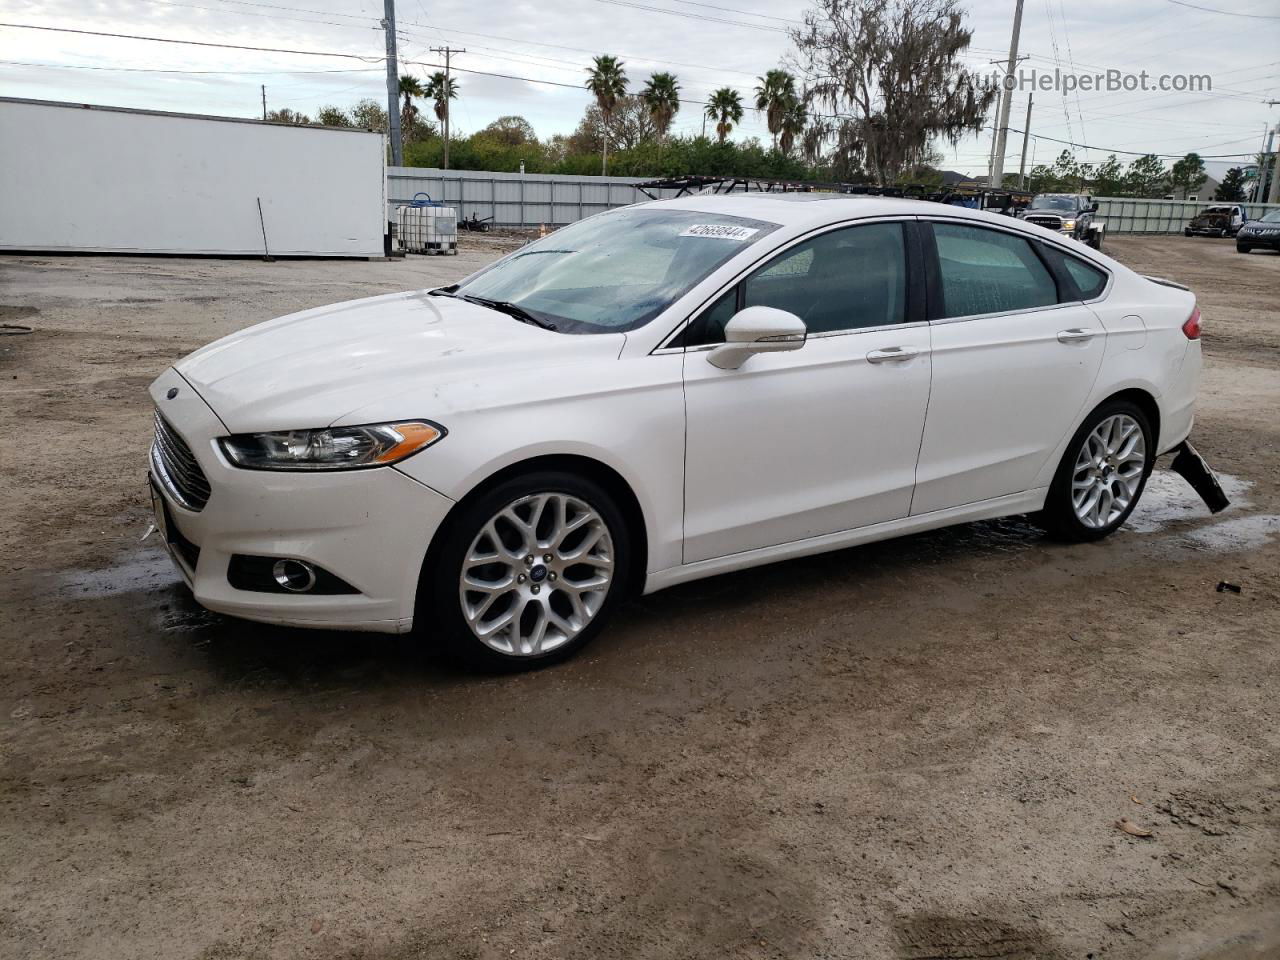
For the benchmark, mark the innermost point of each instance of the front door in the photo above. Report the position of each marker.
(818, 440)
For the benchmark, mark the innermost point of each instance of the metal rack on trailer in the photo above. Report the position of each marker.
(1008, 202)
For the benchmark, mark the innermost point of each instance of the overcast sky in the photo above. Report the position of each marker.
(707, 44)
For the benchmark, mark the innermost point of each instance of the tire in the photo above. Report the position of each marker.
(1186, 233)
(1242, 247)
(1067, 513)
(545, 622)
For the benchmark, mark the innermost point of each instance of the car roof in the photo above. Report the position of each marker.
(810, 209)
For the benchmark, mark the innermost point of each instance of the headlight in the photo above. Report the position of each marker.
(1068, 224)
(331, 448)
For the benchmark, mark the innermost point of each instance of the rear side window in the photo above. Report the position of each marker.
(988, 271)
(1086, 279)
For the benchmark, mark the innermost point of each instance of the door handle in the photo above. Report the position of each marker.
(1076, 335)
(892, 355)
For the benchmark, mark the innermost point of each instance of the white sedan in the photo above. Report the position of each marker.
(656, 394)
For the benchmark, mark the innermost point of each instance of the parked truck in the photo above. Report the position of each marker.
(1072, 214)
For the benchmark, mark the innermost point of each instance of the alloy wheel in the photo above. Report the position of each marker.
(536, 574)
(1108, 471)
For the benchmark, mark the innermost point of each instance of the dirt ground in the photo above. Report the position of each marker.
(917, 749)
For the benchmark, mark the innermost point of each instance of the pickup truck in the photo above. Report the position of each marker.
(1218, 220)
(1068, 213)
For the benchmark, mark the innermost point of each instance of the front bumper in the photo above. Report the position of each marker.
(1270, 241)
(369, 527)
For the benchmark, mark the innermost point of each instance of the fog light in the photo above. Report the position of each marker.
(296, 576)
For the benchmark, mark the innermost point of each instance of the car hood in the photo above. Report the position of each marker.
(309, 369)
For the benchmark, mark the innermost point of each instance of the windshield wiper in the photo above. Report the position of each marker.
(509, 308)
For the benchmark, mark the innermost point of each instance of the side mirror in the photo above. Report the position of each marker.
(757, 330)
(1093, 208)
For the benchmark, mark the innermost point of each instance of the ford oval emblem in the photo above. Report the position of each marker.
(173, 392)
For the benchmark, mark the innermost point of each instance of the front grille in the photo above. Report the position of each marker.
(176, 468)
(1053, 223)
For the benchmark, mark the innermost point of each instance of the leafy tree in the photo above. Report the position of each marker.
(631, 125)
(510, 130)
(1231, 189)
(1146, 177)
(1108, 178)
(1067, 172)
(774, 96)
(285, 115)
(812, 140)
(725, 108)
(1188, 175)
(607, 82)
(333, 117)
(1043, 180)
(368, 114)
(441, 88)
(894, 67)
(661, 95)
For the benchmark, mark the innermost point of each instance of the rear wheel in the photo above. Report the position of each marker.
(1102, 473)
(1242, 247)
(528, 572)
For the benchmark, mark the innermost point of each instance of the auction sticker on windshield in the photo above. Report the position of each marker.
(720, 231)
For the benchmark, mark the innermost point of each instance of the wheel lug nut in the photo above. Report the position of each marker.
(551, 576)
(546, 558)
(535, 588)
(529, 560)
(521, 579)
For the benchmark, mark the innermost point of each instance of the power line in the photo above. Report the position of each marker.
(689, 15)
(765, 16)
(229, 73)
(196, 43)
(1227, 13)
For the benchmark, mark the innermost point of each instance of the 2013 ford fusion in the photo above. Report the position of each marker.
(656, 394)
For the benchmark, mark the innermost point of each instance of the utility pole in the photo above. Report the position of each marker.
(1275, 165)
(448, 86)
(393, 83)
(1002, 126)
(264, 101)
(1026, 135)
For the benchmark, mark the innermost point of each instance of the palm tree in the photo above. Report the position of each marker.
(442, 88)
(409, 88)
(794, 119)
(662, 96)
(725, 108)
(608, 82)
(776, 92)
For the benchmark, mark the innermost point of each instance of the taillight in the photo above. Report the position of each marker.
(1192, 326)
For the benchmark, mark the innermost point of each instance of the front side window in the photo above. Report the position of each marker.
(988, 271)
(616, 271)
(842, 280)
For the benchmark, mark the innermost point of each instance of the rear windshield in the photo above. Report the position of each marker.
(616, 271)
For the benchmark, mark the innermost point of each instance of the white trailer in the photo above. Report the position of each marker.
(80, 178)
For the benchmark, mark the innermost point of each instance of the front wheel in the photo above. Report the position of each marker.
(1186, 233)
(1102, 473)
(527, 573)
(1242, 247)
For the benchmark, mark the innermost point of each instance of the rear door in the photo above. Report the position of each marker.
(1015, 357)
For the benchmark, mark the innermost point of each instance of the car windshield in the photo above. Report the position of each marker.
(1067, 204)
(615, 271)
(1271, 216)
